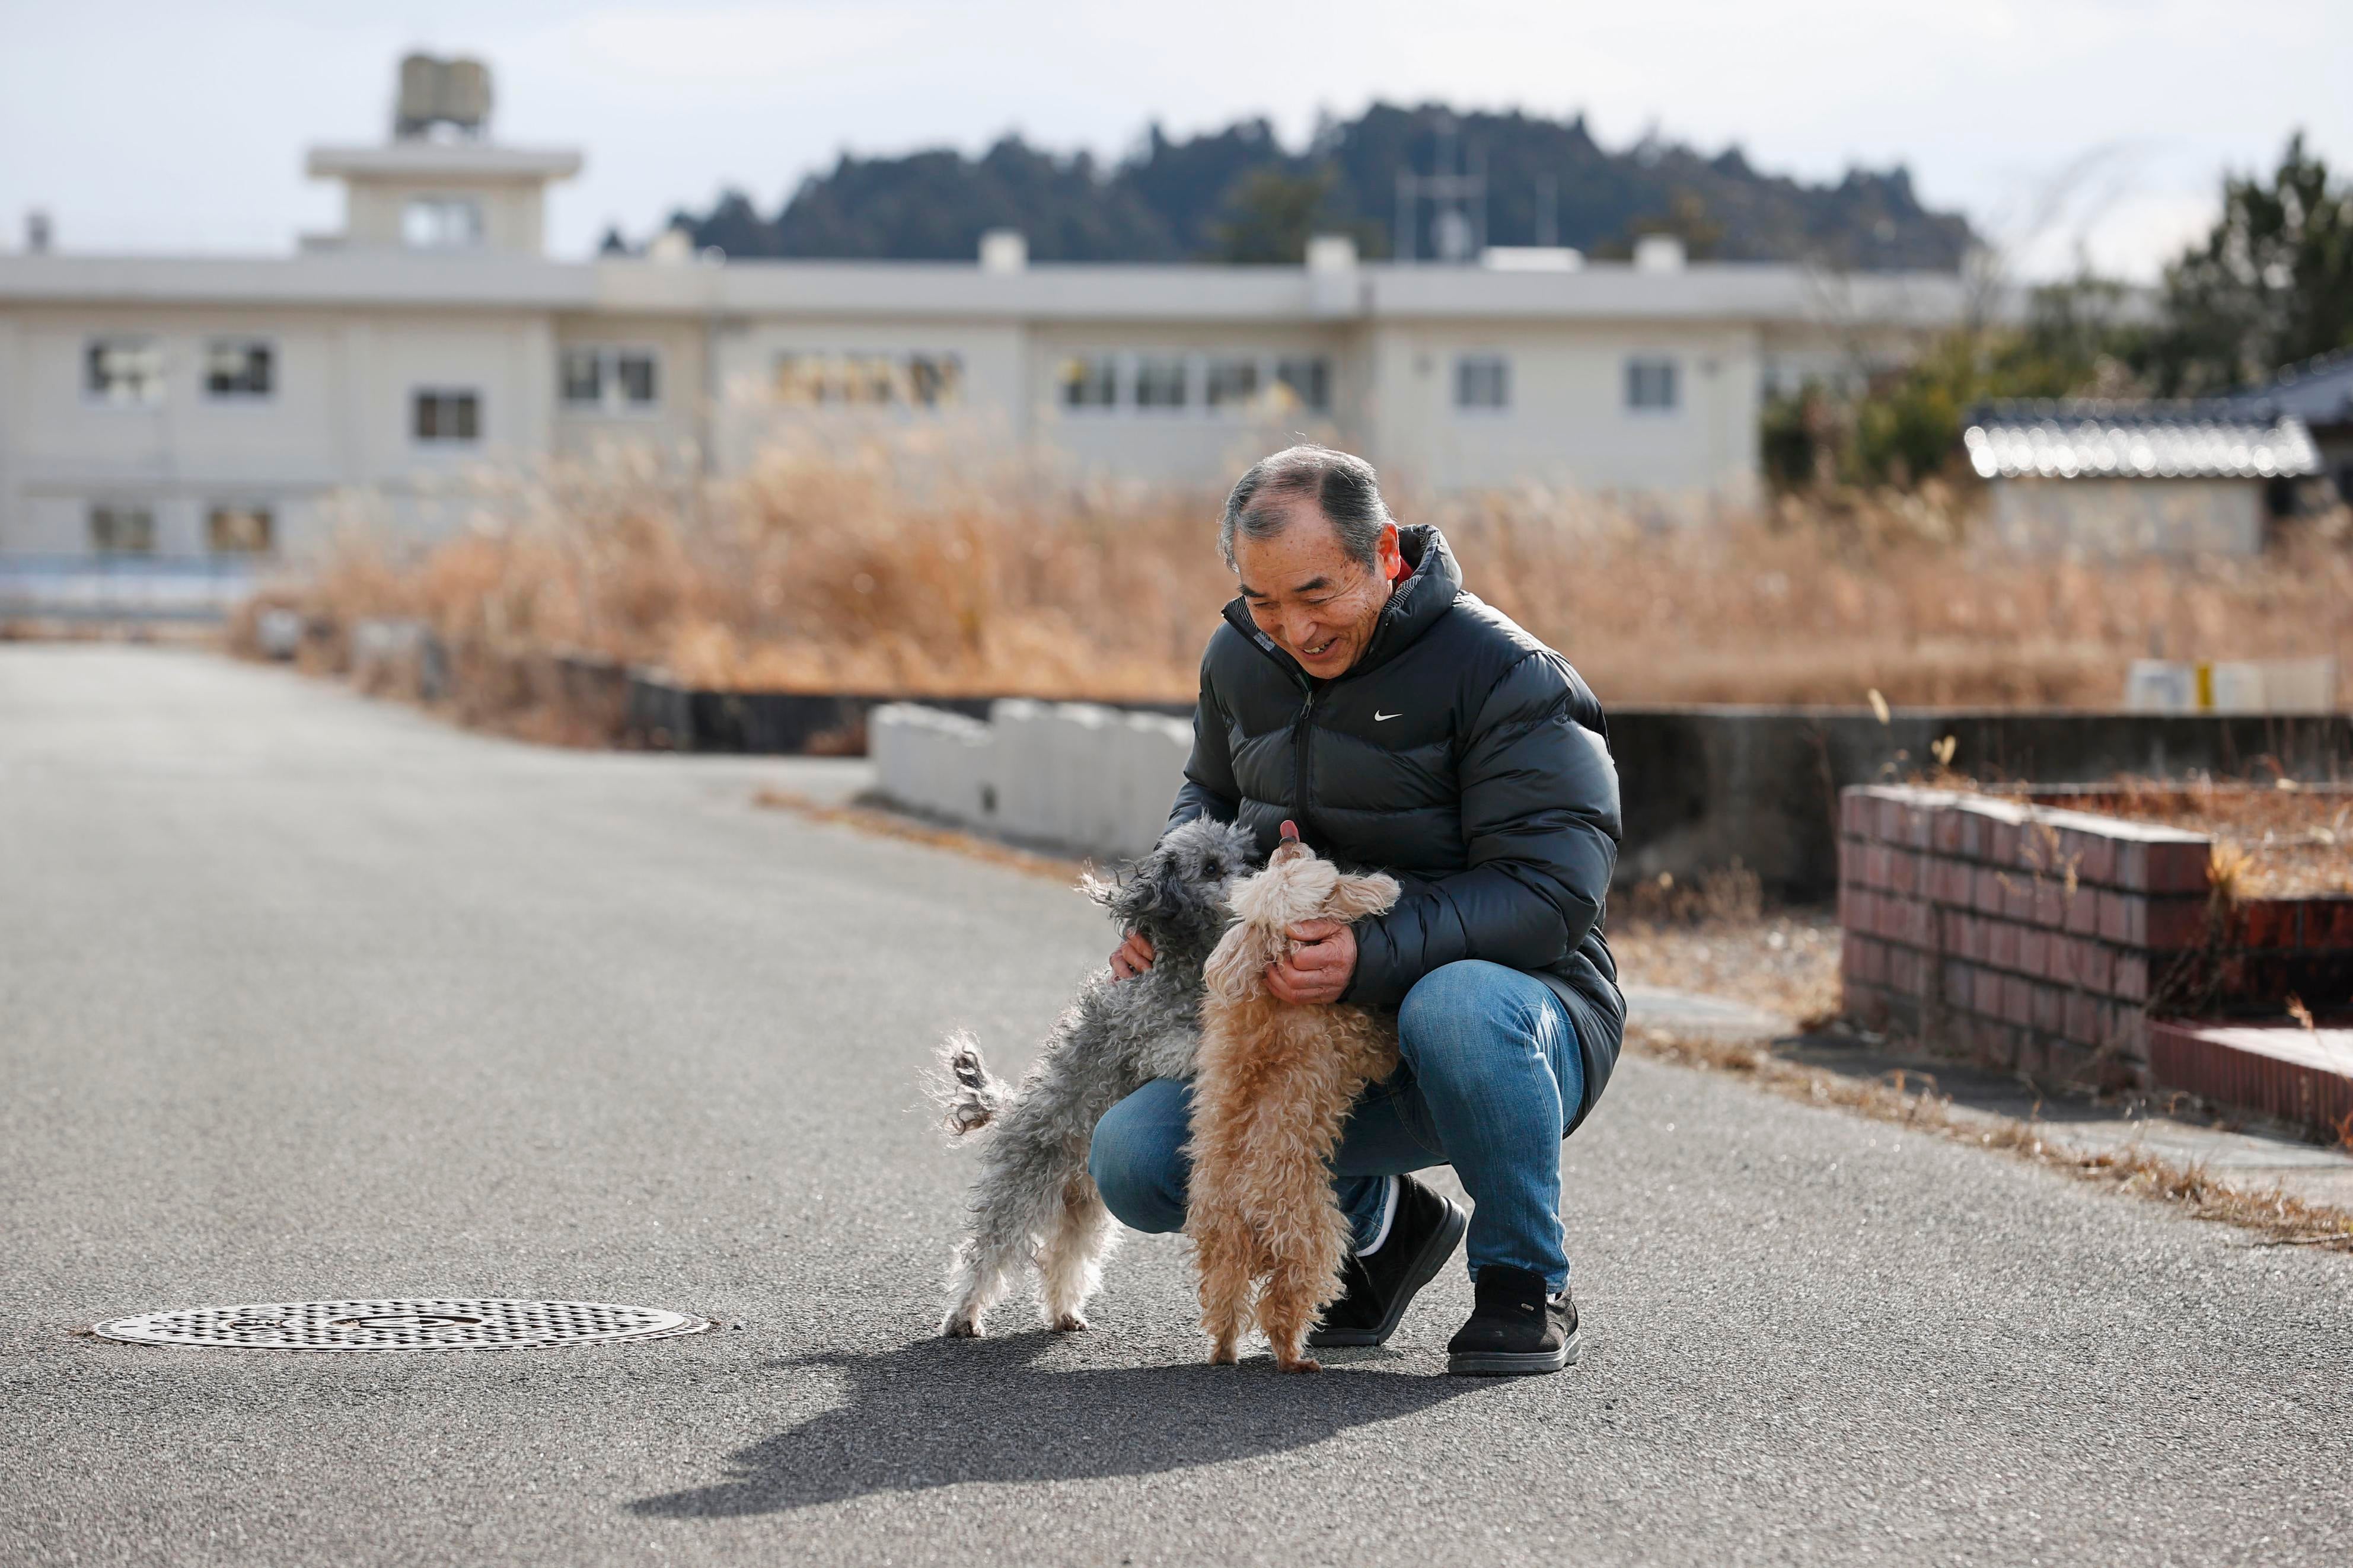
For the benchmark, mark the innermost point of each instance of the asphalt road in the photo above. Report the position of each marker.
(303, 996)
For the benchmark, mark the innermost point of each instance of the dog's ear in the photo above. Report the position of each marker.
(1141, 889)
(1354, 898)
(1237, 962)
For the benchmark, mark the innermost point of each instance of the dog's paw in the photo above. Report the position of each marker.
(1068, 1323)
(968, 1097)
(961, 1326)
(1298, 1364)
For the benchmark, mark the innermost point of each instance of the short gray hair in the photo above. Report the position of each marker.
(1343, 488)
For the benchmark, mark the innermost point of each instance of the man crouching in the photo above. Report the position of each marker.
(1358, 690)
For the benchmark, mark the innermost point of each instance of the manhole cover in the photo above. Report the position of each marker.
(440, 1324)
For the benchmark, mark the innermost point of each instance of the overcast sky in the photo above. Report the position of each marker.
(147, 126)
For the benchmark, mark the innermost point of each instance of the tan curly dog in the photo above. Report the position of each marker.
(1274, 1081)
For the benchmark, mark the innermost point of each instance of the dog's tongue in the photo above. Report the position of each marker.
(1290, 831)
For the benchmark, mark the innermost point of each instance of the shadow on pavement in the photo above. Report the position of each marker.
(939, 1412)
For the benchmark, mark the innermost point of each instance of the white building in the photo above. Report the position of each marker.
(167, 413)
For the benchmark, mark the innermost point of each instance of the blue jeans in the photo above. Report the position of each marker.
(1491, 1079)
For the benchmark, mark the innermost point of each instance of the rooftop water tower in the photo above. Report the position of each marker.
(436, 93)
(440, 184)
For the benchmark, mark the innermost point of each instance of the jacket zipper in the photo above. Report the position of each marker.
(1306, 744)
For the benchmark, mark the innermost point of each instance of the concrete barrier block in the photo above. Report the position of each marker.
(1156, 749)
(1087, 779)
(930, 761)
(896, 740)
(279, 632)
(1019, 726)
(1073, 775)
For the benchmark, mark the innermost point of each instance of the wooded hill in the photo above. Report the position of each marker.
(1238, 194)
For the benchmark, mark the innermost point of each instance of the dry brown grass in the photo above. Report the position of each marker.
(1912, 1100)
(2281, 842)
(894, 566)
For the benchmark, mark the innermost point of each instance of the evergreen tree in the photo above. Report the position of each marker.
(1237, 193)
(2273, 284)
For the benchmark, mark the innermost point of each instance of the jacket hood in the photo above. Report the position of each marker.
(1429, 589)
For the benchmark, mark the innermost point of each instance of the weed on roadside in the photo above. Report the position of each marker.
(1912, 1100)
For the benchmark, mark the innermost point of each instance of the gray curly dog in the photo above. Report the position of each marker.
(1033, 1203)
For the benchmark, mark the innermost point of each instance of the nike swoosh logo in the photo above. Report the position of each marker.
(1379, 717)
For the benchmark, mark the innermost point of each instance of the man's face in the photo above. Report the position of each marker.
(1305, 592)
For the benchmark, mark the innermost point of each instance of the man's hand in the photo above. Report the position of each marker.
(1133, 957)
(1319, 967)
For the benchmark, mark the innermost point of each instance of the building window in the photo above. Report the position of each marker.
(240, 531)
(236, 369)
(1223, 384)
(121, 531)
(439, 416)
(612, 379)
(809, 380)
(638, 377)
(1161, 381)
(582, 374)
(126, 373)
(869, 379)
(934, 381)
(1482, 381)
(1652, 385)
(1089, 381)
(1307, 380)
(441, 223)
(1232, 383)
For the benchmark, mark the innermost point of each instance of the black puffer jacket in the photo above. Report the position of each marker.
(1459, 754)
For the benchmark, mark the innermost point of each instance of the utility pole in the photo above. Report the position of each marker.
(1458, 196)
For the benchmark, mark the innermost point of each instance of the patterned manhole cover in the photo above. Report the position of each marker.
(409, 1323)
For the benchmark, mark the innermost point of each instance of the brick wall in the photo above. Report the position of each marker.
(2026, 938)
(2297, 1075)
(2045, 939)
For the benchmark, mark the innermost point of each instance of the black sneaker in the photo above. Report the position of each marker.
(1514, 1328)
(1424, 1231)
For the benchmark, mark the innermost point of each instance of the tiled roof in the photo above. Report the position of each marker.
(2209, 440)
(2319, 391)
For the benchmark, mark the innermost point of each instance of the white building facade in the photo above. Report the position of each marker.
(200, 413)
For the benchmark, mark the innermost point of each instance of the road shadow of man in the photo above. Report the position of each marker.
(938, 1413)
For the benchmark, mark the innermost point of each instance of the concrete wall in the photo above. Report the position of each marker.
(1702, 785)
(934, 762)
(2124, 519)
(1066, 775)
